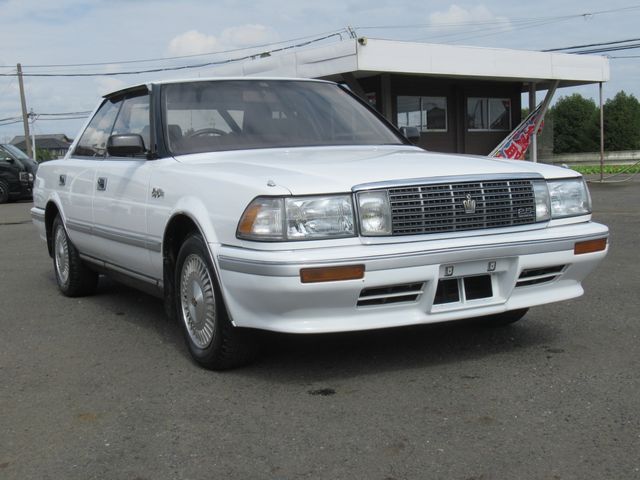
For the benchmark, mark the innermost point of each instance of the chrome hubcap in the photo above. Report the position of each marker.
(197, 301)
(61, 248)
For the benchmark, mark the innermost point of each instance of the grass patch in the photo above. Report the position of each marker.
(608, 169)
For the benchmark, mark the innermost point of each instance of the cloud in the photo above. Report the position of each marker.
(457, 15)
(248, 35)
(194, 42)
(108, 84)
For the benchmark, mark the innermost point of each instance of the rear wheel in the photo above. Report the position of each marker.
(72, 275)
(4, 191)
(212, 340)
(504, 318)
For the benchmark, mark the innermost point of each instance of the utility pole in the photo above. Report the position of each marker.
(25, 116)
(32, 117)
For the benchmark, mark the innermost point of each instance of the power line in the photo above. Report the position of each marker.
(592, 45)
(85, 112)
(493, 21)
(11, 123)
(60, 118)
(180, 57)
(180, 67)
(609, 49)
(9, 118)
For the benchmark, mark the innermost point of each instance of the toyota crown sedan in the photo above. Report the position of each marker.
(292, 206)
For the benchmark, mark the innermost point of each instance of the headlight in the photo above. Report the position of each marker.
(375, 213)
(569, 198)
(24, 176)
(297, 218)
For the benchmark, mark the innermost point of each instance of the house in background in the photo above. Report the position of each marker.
(56, 145)
(462, 99)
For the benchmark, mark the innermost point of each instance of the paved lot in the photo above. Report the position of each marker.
(103, 387)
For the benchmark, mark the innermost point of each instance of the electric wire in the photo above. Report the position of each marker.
(179, 67)
(592, 45)
(322, 36)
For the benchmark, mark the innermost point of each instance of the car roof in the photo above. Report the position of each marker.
(148, 85)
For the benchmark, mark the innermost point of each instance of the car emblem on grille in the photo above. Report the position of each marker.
(469, 204)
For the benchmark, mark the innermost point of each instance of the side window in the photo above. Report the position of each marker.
(93, 142)
(488, 114)
(427, 114)
(134, 118)
(4, 156)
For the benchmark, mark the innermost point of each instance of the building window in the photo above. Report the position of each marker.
(427, 114)
(488, 114)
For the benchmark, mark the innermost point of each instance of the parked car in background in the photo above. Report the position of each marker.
(17, 173)
(293, 206)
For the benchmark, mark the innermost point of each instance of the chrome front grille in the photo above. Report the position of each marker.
(448, 207)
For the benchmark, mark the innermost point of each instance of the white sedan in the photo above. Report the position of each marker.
(292, 206)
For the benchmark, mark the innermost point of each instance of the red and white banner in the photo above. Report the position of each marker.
(516, 144)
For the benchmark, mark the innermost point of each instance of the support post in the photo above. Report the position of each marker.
(601, 134)
(534, 138)
(387, 103)
(33, 135)
(25, 116)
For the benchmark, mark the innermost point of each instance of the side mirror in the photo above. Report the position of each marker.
(126, 144)
(411, 133)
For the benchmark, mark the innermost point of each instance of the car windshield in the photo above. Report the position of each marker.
(245, 114)
(15, 151)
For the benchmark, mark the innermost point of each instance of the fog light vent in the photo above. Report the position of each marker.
(535, 276)
(405, 293)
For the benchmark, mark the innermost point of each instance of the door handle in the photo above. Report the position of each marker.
(102, 183)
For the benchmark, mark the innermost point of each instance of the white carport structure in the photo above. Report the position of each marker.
(392, 74)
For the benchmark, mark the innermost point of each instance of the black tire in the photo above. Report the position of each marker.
(4, 191)
(503, 319)
(212, 340)
(74, 278)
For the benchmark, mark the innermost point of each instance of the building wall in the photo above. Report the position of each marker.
(458, 138)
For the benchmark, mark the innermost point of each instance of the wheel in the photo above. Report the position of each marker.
(72, 275)
(504, 318)
(4, 191)
(212, 340)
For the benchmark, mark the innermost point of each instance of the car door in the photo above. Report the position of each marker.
(74, 178)
(121, 194)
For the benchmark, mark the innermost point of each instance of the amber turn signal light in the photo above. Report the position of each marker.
(331, 274)
(590, 246)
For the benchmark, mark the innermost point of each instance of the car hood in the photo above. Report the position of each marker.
(310, 170)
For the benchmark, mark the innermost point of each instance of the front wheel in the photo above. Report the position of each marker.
(72, 275)
(212, 340)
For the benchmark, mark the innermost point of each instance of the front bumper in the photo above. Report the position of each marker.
(262, 289)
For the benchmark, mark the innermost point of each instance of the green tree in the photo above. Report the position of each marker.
(43, 155)
(622, 123)
(575, 125)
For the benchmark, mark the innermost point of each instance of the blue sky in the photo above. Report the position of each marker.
(41, 32)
